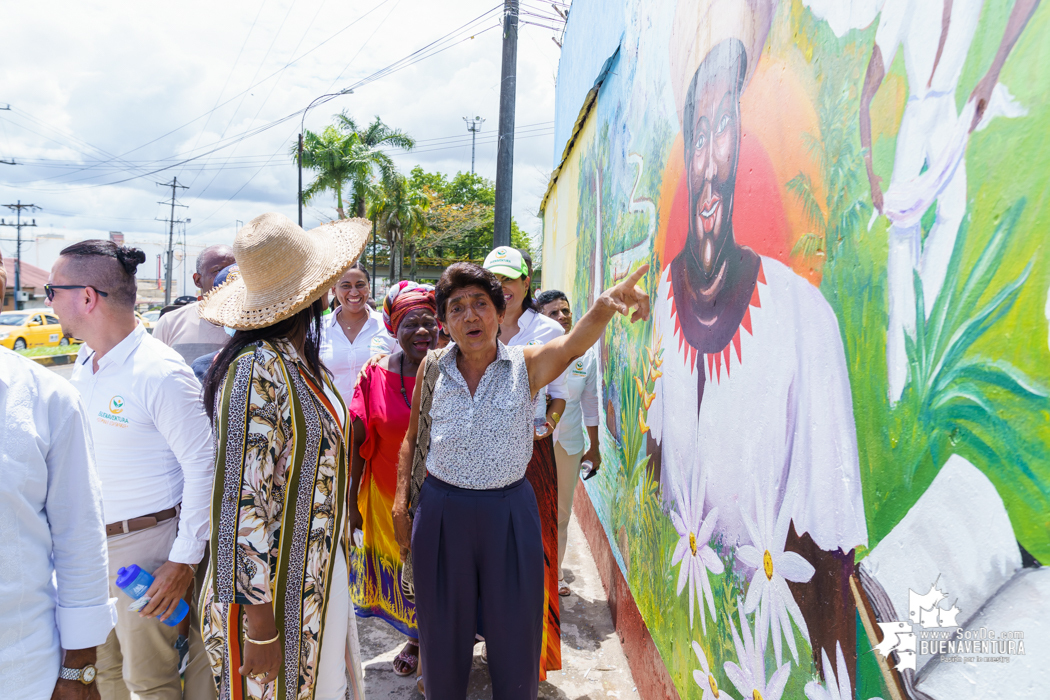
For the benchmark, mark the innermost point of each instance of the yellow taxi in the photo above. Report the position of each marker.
(31, 328)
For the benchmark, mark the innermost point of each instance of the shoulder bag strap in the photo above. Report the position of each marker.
(431, 370)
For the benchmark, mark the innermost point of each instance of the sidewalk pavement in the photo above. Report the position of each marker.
(593, 664)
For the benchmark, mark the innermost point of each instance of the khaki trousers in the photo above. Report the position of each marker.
(568, 473)
(139, 658)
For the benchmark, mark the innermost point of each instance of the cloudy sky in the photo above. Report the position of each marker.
(108, 98)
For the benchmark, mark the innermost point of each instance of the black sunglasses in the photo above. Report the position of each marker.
(49, 289)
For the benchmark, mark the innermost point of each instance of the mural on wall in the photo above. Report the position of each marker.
(826, 453)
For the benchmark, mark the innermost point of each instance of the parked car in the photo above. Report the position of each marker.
(30, 328)
(146, 323)
(152, 316)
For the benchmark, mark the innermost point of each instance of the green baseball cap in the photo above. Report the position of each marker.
(506, 261)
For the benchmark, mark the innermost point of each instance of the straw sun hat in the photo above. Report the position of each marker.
(283, 269)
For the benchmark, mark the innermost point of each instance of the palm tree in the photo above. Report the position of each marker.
(399, 211)
(366, 156)
(327, 154)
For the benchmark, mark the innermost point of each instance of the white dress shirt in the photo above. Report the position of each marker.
(581, 408)
(345, 359)
(152, 438)
(51, 530)
(537, 329)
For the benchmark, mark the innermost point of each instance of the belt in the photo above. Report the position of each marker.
(143, 522)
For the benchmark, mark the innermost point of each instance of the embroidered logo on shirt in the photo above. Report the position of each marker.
(113, 417)
(578, 370)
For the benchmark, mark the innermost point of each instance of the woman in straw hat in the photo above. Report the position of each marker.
(276, 615)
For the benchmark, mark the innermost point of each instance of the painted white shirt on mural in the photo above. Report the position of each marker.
(776, 421)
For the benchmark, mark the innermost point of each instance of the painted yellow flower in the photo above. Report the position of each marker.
(641, 421)
(656, 374)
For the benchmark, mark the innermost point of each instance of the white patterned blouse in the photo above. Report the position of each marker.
(483, 441)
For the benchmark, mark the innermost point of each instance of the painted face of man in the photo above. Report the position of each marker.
(711, 154)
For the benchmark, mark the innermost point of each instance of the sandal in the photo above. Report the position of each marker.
(563, 589)
(405, 662)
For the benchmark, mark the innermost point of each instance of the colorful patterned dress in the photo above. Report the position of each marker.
(278, 519)
(375, 569)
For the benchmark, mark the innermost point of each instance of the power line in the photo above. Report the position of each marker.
(438, 46)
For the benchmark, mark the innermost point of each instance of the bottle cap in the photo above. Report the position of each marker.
(126, 575)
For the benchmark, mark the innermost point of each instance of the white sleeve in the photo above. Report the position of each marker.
(179, 416)
(85, 612)
(824, 463)
(589, 397)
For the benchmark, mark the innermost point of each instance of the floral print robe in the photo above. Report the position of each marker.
(277, 517)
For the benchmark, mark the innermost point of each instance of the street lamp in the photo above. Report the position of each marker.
(302, 123)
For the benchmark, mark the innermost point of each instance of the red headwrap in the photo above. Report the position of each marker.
(404, 297)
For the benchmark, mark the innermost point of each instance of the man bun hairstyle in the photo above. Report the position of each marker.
(463, 274)
(106, 267)
(130, 259)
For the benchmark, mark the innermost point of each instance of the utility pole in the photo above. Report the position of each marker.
(473, 126)
(174, 184)
(17, 208)
(505, 143)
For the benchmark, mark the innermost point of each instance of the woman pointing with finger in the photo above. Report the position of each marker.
(475, 537)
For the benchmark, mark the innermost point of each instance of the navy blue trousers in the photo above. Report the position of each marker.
(478, 551)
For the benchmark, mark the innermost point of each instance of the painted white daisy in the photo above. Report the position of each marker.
(693, 551)
(749, 676)
(836, 685)
(706, 680)
(773, 568)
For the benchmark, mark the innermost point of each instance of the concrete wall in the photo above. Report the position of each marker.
(828, 446)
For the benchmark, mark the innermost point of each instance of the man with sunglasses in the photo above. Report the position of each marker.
(54, 598)
(154, 453)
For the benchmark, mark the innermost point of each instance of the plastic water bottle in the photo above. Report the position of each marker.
(540, 425)
(587, 469)
(135, 582)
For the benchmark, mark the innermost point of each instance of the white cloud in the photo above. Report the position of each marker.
(88, 81)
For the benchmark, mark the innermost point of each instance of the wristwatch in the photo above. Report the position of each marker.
(85, 675)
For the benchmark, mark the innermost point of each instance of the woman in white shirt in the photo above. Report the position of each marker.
(581, 409)
(353, 332)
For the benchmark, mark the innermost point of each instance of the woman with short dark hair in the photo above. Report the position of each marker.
(475, 538)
